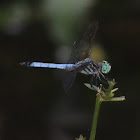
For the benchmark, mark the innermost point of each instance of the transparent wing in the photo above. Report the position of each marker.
(81, 50)
(82, 47)
(68, 80)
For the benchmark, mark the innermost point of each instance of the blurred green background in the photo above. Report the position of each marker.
(33, 104)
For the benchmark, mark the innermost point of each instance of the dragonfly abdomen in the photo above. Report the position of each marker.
(48, 65)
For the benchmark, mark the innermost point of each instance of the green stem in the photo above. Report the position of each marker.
(95, 118)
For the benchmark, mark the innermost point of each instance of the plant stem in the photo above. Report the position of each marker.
(95, 118)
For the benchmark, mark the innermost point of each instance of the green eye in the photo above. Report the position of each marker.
(105, 67)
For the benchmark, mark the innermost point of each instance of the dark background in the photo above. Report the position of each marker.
(33, 104)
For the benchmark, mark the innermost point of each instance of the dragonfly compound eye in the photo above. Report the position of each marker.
(106, 67)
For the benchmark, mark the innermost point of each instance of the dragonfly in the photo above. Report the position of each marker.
(79, 60)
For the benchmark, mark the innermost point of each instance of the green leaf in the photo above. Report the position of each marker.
(92, 88)
(81, 138)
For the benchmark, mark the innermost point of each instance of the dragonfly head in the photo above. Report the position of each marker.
(105, 67)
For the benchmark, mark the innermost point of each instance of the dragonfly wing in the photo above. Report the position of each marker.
(82, 47)
(69, 77)
(68, 80)
(81, 50)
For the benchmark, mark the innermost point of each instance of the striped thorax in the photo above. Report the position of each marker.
(97, 69)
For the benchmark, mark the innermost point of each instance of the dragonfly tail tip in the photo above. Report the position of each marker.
(24, 63)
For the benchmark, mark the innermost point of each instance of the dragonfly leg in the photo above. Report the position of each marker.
(91, 81)
(102, 75)
(96, 79)
(98, 76)
(105, 80)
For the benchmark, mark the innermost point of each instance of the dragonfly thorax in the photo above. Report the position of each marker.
(97, 68)
(91, 69)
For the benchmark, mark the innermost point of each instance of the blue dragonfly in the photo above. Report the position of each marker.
(79, 60)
